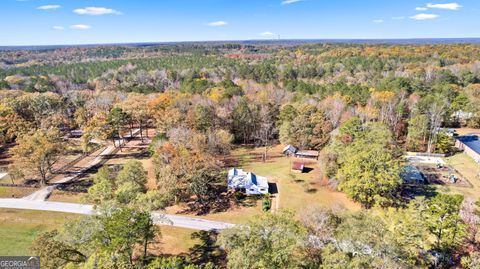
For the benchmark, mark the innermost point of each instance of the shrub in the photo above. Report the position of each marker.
(266, 203)
(239, 195)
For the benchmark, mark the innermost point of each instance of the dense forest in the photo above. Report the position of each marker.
(362, 106)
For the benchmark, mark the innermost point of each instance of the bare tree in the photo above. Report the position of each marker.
(266, 130)
(334, 106)
(435, 113)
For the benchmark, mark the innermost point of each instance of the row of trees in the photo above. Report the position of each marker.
(426, 234)
(259, 118)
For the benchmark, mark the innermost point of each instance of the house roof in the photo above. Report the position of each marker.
(240, 178)
(259, 181)
(308, 153)
(471, 141)
(290, 148)
(298, 166)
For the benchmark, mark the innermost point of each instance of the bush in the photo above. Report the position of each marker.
(239, 195)
(266, 203)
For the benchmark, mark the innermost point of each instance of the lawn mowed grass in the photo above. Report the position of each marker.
(15, 192)
(66, 197)
(296, 191)
(470, 170)
(174, 241)
(18, 228)
(17, 238)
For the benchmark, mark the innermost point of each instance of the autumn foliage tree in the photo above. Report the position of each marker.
(38, 152)
(305, 126)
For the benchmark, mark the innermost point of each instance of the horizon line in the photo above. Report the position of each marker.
(273, 40)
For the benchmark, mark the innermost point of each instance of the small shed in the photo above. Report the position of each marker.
(298, 167)
(289, 150)
(309, 154)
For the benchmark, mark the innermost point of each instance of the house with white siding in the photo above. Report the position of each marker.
(247, 182)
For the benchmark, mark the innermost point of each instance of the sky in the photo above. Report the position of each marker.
(58, 22)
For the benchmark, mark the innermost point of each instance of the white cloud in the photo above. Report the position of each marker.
(378, 21)
(449, 6)
(288, 2)
(267, 34)
(421, 8)
(96, 11)
(58, 28)
(424, 16)
(80, 26)
(398, 18)
(49, 7)
(217, 23)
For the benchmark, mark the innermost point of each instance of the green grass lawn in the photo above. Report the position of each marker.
(18, 228)
(15, 192)
(17, 238)
(174, 241)
(470, 170)
(66, 197)
(296, 191)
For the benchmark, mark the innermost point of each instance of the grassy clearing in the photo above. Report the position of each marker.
(470, 170)
(174, 241)
(15, 192)
(65, 196)
(18, 228)
(296, 191)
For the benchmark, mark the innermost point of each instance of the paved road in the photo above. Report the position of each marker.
(42, 194)
(158, 218)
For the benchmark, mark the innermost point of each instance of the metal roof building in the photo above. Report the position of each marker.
(470, 144)
(251, 183)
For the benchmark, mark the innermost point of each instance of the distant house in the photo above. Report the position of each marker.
(293, 151)
(248, 182)
(470, 144)
(462, 115)
(298, 167)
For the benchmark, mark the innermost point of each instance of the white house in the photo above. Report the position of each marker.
(251, 183)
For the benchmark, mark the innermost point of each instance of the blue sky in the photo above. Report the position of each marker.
(48, 22)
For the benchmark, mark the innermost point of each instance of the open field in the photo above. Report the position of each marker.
(18, 228)
(15, 192)
(174, 241)
(296, 191)
(470, 170)
(65, 196)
